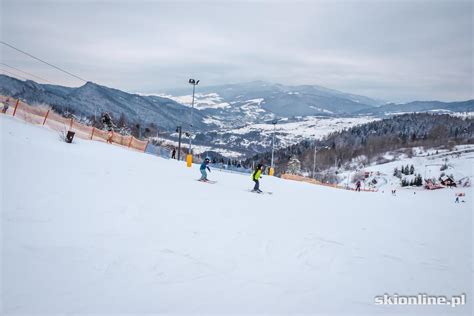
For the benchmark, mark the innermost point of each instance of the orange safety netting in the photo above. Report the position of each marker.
(43, 115)
(314, 181)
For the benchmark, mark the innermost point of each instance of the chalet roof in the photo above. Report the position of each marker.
(446, 178)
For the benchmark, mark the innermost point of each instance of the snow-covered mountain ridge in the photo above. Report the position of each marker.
(237, 115)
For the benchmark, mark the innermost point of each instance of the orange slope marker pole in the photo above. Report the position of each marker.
(16, 106)
(130, 142)
(45, 117)
(110, 136)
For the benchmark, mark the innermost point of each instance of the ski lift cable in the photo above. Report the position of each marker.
(11, 73)
(44, 62)
(26, 73)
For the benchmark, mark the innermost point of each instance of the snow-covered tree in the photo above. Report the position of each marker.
(294, 166)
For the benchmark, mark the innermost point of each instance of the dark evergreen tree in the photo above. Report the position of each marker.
(396, 172)
(418, 180)
(374, 139)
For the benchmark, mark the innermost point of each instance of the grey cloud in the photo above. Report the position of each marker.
(396, 50)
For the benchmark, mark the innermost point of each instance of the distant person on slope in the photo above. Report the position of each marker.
(5, 108)
(256, 175)
(173, 154)
(203, 168)
(358, 186)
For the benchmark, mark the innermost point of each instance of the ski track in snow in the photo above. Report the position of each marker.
(90, 228)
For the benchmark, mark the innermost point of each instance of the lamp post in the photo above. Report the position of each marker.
(274, 122)
(314, 158)
(194, 83)
(349, 179)
(189, 157)
(178, 130)
(314, 161)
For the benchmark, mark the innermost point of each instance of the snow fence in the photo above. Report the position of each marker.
(295, 177)
(42, 115)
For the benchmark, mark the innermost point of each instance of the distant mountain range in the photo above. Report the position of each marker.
(305, 100)
(284, 101)
(235, 116)
(93, 99)
(420, 106)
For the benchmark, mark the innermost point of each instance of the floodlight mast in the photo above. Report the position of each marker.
(194, 83)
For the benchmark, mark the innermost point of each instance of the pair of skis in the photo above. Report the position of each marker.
(207, 181)
(252, 191)
(260, 192)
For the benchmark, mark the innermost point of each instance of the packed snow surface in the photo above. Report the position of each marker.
(91, 228)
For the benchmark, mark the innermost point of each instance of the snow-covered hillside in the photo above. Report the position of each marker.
(201, 101)
(430, 164)
(90, 228)
(291, 131)
(251, 138)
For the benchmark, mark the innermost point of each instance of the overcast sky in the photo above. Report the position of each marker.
(395, 50)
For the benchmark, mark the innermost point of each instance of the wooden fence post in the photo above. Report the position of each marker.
(16, 106)
(130, 142)
(70, 125)
(45, 117)
(146, 145)
(92, 134)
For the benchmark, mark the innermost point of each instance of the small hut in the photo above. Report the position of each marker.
(447, 181)
(430, 184)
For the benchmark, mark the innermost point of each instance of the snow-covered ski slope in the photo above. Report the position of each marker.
(91, 228)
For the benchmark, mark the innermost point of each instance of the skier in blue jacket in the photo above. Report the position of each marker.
(204, 166)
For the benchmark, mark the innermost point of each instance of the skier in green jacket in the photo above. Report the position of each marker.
(256, 175)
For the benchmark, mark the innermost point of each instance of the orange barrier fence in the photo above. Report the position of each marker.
(42, 115)
(314, 181)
